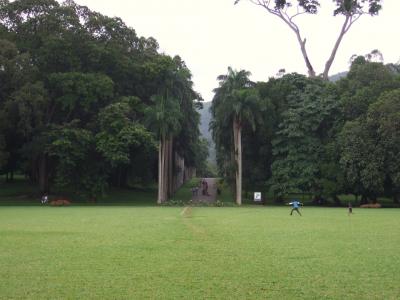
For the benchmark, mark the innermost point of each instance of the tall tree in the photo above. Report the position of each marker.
(370, 147)
(164, 118)
(298, 146)
(235, 103)
(289, 10)
(67, 73)
(125, 144)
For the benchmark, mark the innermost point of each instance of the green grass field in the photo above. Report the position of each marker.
(144, 252)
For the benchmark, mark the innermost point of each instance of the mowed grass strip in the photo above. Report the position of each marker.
(222, 253)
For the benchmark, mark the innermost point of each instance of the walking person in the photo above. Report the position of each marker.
(206, 188)
(295, 206)
(203, 187)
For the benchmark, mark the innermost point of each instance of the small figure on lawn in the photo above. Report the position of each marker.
(44, 199)
(295, 206)
(350, 208)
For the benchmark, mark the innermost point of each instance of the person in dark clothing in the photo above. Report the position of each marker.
(350, 208)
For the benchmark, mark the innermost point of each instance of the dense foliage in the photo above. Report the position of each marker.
(319, 137)
(77, 91)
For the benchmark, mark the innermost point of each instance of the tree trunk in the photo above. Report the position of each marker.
(170, 168)
(311, 71)
(235, 157)
(239, 192)
(173, 168)
(159, 197)
(301, 41)
(329, 62)
(162, 171)
(43, 178)
(165, 171)
(237, 140)
(163, 180)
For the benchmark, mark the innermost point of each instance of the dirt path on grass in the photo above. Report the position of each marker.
(210, 197)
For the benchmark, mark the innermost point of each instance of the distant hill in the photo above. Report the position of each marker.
(205, 118)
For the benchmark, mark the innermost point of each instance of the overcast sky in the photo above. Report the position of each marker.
(211, 35)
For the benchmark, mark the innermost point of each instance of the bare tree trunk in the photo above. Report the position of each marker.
(329, 62)
(302, 42)
(350, 18)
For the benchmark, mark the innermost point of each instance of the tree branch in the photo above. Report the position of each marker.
(346, 25)
(297, 14)
(283, 15)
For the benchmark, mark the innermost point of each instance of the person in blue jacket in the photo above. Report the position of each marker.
(295, 206)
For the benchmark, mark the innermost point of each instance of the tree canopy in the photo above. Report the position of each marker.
(77, 89)
(317, 137)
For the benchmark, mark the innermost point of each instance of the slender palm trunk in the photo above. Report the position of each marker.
(238, 167)
(239, 188)
(167, 167)
(170, 167)
(159, 197)
(234, 157)
(164, 170)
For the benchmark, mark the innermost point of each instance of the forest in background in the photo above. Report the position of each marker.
(86, 103)
(297, 134)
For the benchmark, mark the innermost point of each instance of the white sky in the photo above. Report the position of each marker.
(211, 35)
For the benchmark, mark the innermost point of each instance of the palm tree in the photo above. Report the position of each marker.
(235, 102)
(172, 111)
(164, 117)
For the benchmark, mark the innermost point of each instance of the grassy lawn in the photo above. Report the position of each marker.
(144, 252)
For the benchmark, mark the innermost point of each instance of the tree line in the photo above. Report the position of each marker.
(296, 134)
(86, 103)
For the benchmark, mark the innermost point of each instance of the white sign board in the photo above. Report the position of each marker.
(257, 196)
